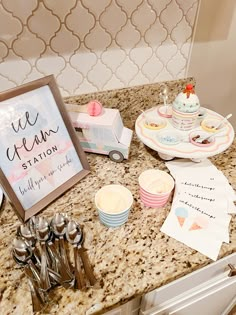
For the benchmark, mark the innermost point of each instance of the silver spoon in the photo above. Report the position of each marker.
(222, 121)
(24, 254)
(145, 117)
(38, 300)
(58, 225)
(164, 94)
(42, 233)
(73, 235)
(59, 264)
(29, 237)
(86, 263)
(30, 240)
(32, 224)
(66, 277)
(200, 140)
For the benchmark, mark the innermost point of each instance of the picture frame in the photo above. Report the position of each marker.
(40, 156)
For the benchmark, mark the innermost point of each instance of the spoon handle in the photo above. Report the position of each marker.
(61, 268)
(87, 266)
(209, 137)
(45, 281)
(222, 121)
(79, 278)
(37, 300)
(145, 117)
(36, 255)
(55, 278)
(34, 271)
(63, 255)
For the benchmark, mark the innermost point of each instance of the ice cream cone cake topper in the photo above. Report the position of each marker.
(181, 214)
(189, 90)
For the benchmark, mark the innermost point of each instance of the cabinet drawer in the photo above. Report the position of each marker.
(198, 287)
(130, 308)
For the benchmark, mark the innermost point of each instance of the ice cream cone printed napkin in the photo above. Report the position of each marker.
(197, 232)
(200, 200)
(187, 216)
(199, 213)
(192, 236)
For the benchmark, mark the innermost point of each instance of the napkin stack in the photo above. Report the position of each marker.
(202, 202)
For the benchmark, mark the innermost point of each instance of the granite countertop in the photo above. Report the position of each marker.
(128, 261)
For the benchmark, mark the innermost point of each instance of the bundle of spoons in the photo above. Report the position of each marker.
(22, 255)
(48, 265)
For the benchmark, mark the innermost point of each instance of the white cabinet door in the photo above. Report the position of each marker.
(213, 302)
(207, 291)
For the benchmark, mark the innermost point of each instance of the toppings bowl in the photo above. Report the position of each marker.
(169, 137)
(198, 138)
(155, 123)
(165, 111)
(202, 114)
(210, 125)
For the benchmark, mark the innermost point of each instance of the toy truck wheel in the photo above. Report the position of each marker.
(116, 156)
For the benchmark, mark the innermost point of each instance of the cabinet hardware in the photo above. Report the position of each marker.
(232, 270)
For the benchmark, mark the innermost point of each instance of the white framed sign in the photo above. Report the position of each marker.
(40, 156)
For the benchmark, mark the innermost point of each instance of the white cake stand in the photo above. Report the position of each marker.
(170, 142)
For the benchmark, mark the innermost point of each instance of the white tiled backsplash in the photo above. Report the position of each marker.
(94, 45)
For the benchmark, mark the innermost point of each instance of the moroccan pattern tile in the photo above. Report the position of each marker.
(95, 45)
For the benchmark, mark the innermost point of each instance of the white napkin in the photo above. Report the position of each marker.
(199, 214)
(205, 170)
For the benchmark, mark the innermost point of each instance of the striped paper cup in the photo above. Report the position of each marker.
(113, 203)
(155, 188)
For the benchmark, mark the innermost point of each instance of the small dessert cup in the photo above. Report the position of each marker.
(113, 203)
(155, 187)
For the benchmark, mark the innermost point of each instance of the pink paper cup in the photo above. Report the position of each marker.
(155, 188)
(151, 200)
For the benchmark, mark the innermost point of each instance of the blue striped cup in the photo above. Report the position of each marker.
(113, 203)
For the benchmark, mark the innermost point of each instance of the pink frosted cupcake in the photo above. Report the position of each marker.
(185, 109)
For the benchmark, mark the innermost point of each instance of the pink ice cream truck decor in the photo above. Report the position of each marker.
(104, 134)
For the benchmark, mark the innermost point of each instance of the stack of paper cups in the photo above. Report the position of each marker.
(155, 187)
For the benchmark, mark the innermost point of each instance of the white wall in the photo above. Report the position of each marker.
(213, 59)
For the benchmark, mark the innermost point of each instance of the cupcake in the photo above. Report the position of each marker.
(185, 109)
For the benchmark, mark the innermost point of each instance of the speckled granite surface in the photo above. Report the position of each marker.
(128, 261)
